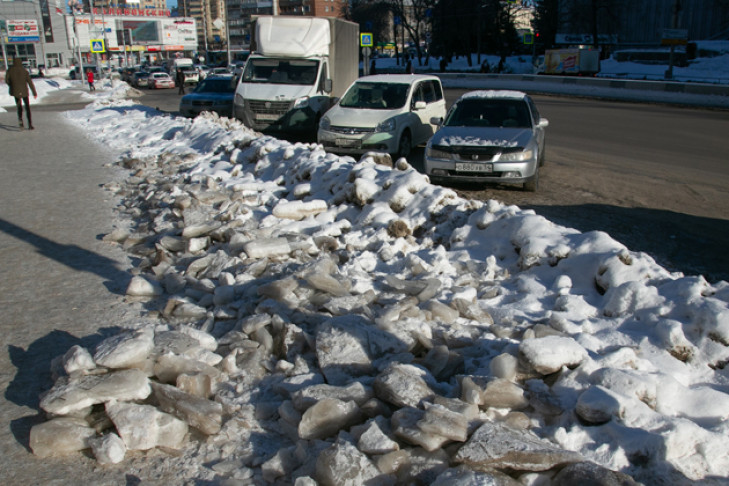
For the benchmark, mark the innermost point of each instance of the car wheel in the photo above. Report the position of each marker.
(541, 156)
(404, 145)
(533, 183)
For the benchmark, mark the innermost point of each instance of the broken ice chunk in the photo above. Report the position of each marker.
(498, 446)
(441, 421)
(343, 464)
(443, 312)
(403, 385)
(78, 359)
(267, 248)
(69, 395)
(298, 210)
(374, 440)
(201, 413)
(549, 354)
(108, 449)
(143, 427)
(141, 287)
(306, 397)
(504, 366)
(327, 418)
(126, 349)
(405, 426)
(60, 436)
(169, 366)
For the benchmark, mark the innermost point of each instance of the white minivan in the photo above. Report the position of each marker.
(385, 113)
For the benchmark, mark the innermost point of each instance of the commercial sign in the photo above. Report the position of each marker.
(22, 31)
(674, 37)
(585, 39)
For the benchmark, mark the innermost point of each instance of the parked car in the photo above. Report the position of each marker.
(140, 79)
(388, 113)
(489, 136)
(160, 80)
(214, 93)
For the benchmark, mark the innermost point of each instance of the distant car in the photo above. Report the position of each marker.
(214, 93)
(388, 113)
(140, 79)
(489, 136)
(160, 80)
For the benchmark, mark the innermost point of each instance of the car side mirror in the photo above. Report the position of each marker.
(543, 123)
(419, 105)
(328, 85)
(436, 120)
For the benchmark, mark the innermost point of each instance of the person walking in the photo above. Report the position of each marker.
(90, 79)
(180, 80)
(19, 80)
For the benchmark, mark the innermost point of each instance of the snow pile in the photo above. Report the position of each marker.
(332, 321)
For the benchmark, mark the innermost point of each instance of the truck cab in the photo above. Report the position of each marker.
(283, 94)
(297, 68)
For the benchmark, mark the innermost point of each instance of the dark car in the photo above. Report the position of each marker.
(140, 79)
(214, 93)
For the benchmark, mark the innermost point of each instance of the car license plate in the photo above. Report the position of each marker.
(348, 142)
(266, 116)
(465, 167)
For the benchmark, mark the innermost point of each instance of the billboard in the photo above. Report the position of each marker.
(22, 31)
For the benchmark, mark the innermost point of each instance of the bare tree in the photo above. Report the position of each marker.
(415, 18)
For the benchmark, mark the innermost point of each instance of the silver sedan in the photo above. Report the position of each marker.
(489, 136)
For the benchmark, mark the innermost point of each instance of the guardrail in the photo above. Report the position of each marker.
(692, 94)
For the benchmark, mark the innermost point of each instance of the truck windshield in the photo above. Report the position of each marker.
(376, 96)
(280, 71)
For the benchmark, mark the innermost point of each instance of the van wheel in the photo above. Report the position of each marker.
(404, 146)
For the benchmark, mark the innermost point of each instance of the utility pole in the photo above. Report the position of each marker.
(674, 25)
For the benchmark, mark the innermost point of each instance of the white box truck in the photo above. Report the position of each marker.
(185, 65)
(575, 61)
(297, 69)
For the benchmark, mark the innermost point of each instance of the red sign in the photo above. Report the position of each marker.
(134, 12)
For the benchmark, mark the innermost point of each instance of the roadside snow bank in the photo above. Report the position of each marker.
(340, 318)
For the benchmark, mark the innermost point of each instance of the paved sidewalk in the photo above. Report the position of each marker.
(60, 284)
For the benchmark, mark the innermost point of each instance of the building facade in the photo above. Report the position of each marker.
(48, 34)
(211, 18)
(634, 24)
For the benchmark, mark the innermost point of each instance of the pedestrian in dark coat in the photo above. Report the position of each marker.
(180, 80)
(19, 80)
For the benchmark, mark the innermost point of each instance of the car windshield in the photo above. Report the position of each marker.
(280, 71)
(489, 112)
(376, 96)
(219, 85)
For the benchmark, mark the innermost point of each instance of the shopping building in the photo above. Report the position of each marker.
(46, 32)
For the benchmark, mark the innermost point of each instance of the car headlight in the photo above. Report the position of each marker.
(239, 100)
(432, 153)
(325, 123)
(517, 156)
(386, 126)
(301, 102)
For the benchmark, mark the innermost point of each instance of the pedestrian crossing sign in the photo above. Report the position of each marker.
(97, 45)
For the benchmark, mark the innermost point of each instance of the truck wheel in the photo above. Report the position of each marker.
(532, 184)
(404, 146)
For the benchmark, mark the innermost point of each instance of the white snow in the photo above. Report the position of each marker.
(641, 347)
